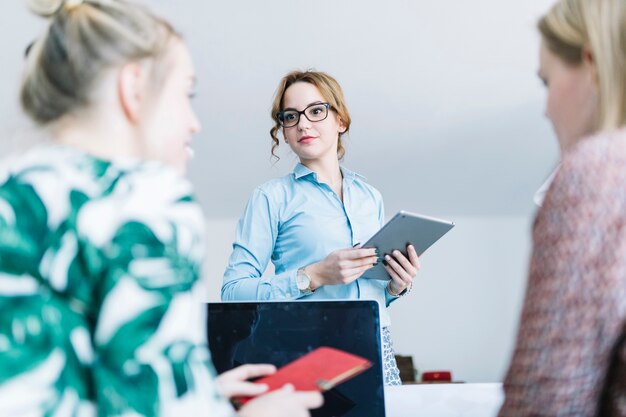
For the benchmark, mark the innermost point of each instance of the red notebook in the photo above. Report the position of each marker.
(319, 370)
(437, 376)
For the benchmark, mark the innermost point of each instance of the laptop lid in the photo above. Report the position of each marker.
(279, 332)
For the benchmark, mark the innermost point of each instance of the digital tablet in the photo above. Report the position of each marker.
(403, 229)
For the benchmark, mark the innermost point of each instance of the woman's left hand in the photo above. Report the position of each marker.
(401, 269)
(234, 383)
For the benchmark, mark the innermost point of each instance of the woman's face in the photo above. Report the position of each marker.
(311, 140)
(572, 103)
(170, 121)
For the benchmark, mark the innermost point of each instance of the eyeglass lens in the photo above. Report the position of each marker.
(314, 113)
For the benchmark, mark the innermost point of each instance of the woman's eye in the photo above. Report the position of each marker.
(316, 111)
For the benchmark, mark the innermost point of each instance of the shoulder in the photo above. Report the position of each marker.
(153, 183)
(99, 197)
(602, 148)
(145, 196)
(589, 188)
(370, 188)
(361, 182)
(276, 189)
(46, 182)
(58, 171)
(595, 165)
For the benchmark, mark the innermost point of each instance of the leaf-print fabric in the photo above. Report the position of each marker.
(99, 262)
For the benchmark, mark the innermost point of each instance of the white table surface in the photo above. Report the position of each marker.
(444, 400)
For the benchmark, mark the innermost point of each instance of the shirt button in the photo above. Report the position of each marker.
(330, 193)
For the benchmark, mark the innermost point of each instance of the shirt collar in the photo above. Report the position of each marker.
(351, 175)
(301, 171)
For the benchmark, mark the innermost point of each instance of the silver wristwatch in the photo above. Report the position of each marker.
(303, 281)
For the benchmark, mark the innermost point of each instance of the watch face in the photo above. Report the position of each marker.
(302, 280)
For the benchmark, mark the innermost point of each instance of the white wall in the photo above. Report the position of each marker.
(444, 98)
(463, 310)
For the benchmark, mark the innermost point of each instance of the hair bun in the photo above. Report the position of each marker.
(45, 8)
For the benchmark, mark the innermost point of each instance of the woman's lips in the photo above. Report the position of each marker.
(306, 139)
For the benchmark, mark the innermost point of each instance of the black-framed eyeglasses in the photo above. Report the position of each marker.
(314, 113)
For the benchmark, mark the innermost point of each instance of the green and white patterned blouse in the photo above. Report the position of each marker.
(99, 262)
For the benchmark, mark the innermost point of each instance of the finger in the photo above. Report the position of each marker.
(405, 263)
(347, 265)
(359, 253)
(310, 399)
(396, 284)
(242, 389)
(354, 273)
(393, 266)
(287, 388)
(415, 260)
(248, 371)
(394, 276)
(357, 263)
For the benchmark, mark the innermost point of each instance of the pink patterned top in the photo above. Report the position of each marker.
(570, 357)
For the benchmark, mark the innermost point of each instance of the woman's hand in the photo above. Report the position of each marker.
(401, 269)
(234, 383)
(341, 267)
(284, 402)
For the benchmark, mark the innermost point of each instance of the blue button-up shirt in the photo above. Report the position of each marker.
(296, 221)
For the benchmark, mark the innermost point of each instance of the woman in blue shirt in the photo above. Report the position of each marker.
(309, 223)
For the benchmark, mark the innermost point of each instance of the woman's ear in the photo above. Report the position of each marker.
(130, 87)
(342, 125)
(588, 61)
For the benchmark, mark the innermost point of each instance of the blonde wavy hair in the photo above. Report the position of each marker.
(84, 39)
(600, 25)
(329, 89)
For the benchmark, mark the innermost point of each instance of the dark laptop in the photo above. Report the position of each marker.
(279, 332)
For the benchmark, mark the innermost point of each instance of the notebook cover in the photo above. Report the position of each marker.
(319, 370)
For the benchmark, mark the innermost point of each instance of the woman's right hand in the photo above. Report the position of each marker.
(284, 402)
(341, 266)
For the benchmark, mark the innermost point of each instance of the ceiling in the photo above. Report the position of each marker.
(447, 110)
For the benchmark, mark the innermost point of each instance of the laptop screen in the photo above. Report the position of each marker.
(280, 332)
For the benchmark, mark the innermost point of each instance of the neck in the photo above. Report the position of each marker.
(103, 138)
(327, 169)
